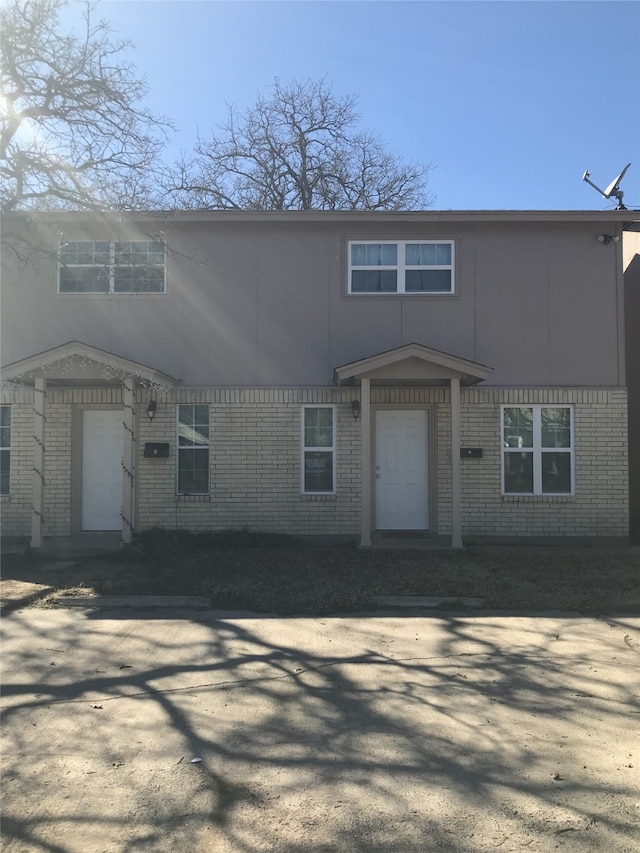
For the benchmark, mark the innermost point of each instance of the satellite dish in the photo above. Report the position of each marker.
(614, 186)
(613, 189)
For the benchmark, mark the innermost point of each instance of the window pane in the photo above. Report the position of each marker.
(85, 252)
(318, 471)
(193, 425)
(96, 254)
(310, 427)
(141, 279)
(5, 426)
(556, 427)
(420, 254)
(374, 254)
(556, 473)
(5, 464)
(318, 427)
(201, 414)
(427, 281)
(155, 252)
(518, 427)
(374, 281)
(428, 254)
(193, 471)
(136, 252)
(68, 253)
(518, 473)
(186, 415)
(84, 279)
(443, 253)
(126, 253)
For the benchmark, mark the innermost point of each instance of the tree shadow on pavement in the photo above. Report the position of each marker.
(443, 733)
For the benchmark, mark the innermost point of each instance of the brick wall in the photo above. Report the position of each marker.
(255, 465)
(16, 511)
(256, 462)
(600, 504)
(59, 403)
(57, 493)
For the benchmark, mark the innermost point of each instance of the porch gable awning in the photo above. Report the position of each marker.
(76, 361)
(412, 363)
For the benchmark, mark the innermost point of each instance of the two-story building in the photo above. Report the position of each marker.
(459, 374)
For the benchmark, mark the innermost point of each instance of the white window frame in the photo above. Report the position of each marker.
(304, 449)
(401, 267)
(537, 450)
(3, 447)
(188, 448)
(112, 267)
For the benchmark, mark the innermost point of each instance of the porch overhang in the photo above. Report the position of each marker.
(411, 364)
(75, 363)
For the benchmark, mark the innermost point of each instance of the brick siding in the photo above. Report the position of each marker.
(255, 464)
(600, 504)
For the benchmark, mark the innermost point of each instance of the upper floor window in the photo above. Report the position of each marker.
(130, 266)
(401, 267)
(5, 450)
(538, 452)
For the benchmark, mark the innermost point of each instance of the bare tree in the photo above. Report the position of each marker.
(299, 149)
(73, 133)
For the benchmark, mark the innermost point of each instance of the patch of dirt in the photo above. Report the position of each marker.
(15, 593)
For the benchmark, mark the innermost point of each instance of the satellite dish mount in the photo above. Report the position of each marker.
(613, 189)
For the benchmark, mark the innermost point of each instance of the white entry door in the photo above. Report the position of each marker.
(401, 470)
(102, 449)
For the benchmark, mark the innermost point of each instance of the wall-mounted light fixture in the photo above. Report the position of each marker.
(151, 410)
(355, 409)
(608, 238)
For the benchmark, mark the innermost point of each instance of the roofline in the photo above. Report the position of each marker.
(168, 216)
(31, 363)
(470, 369)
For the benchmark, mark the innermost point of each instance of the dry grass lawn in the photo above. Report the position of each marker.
(279, 574)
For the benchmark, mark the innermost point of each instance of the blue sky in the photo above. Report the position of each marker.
(510, 101)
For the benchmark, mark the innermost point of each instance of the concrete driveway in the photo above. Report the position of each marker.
(367, 733)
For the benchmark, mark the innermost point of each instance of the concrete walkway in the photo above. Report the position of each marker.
(447, 733)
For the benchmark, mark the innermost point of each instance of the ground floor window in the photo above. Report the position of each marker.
(193, 449)
(5, 450)
(538, 450)
(318, 449)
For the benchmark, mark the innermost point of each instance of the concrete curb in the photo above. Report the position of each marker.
(137, 602)
(425, 601)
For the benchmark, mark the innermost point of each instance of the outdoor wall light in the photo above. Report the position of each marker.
(151, 410)
(608, 238)
(355, 409)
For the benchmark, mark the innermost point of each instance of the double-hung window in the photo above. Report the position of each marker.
(102, 266)
(193, 449)
(538, 450)
(318, 450)
(404, 267)
(5, 450)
